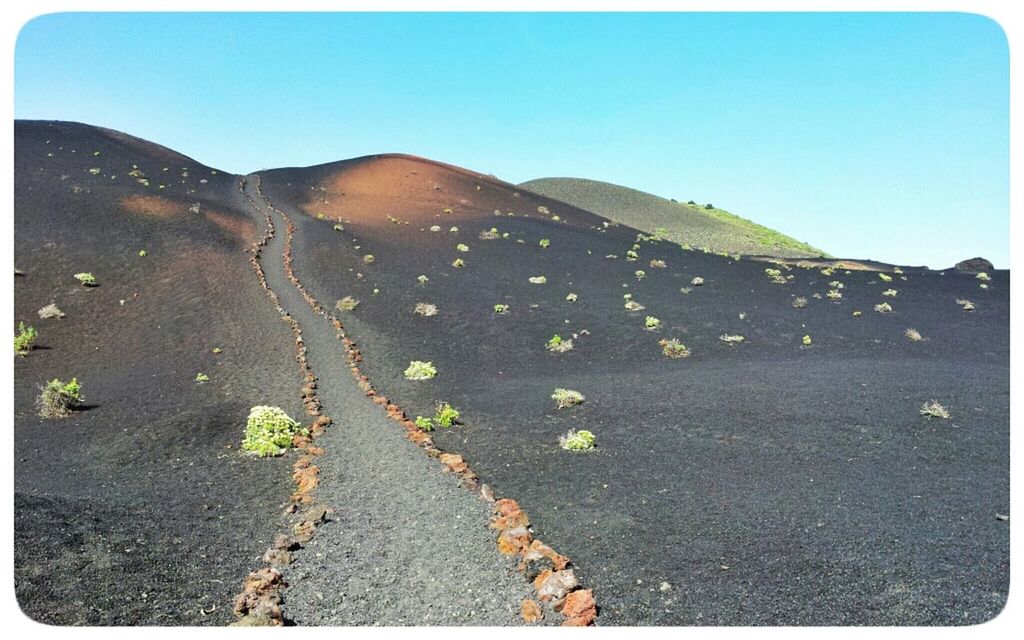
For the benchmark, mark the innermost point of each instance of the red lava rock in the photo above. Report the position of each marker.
(314, 451)
(537, 553)
(380, 400)
(420, 438)
(324, 421)
(277, 557)
(486, 492)
(556, 585)
(260, 597)
(306, 479)
(531, 611)
(512, 541)
(579, 608)
(302, 463)
(507, 514)
(454, 462)
(304, 531)
(539, 581)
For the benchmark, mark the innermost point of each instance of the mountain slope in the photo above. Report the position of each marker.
(690, 223)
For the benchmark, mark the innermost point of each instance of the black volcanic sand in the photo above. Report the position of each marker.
(765, 483)
(140, 509)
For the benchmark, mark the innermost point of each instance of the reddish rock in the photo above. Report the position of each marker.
(323, 421)
(579, 608)
(306, 479)
(513, 541)
(380, 400)
(304, 531)
(539, 581)
(556, 585)
(507, 514)
(314, 451)
(454, 462)
(531, 611)
(277, 557)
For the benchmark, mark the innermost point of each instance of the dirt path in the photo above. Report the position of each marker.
(406, 544)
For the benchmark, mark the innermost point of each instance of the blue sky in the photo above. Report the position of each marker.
(880, 136)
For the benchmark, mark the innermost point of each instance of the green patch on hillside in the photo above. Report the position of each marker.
(696, 225)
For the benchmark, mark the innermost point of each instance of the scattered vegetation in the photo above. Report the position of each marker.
(544, 243)
(143, 253)
(571, 297)
(983, 276)
(566, 398)
(650, 322)
(889, 293)
(775, 275)
(806, 340)
(419, 370)
(50, 311)
(640, 274)
(501, 308)
(425, 309)
(368, 258)
(633, 305)
(557, 344)
(658, 264)
(446, 415)
(799, 303)
(697, 281)
(348, 303)
(538, 280)
(338, 227)
(25, 339)
(458, 264)
(885, 277)
(933, 409)
(422, 279)
(673, 348)
(87, 279)
(966, 305)
(461, 247)
(834, 294)
(731, 339)
(885, 307)
(913, 335)
(269, 431)
(581, 440)
(202, 377)
(493, 234)
(57, 398)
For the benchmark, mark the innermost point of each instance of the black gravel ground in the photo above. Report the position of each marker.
(140, 508)
(764, 483)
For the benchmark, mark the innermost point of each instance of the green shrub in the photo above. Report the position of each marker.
(885, 277)
(202, 377)
(422, 279)
(458, 264)
(57, 398)
(806, 340)
(87, 279)
(25, 339)
(650, 322)
(640, 275)
(571, 297)
(538, 280)
(633, 305)
(269, 431)
(709, 206)
(419, 370)
(581, 440)
(885, 307)
(348, 303)
(673, 348)
(425, 424)
(567, 398)
(731, 339)
(545, 243)
(368, 258)
(425, 309)
(446, 415)
(799, 302)
(559, 345)
(889, 293)
(933, 409)
(501, 308)
(461, 247)
(143, 253)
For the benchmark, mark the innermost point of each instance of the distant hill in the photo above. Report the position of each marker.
(686, 223)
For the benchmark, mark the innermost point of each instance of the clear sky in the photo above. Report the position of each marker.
(880, 136)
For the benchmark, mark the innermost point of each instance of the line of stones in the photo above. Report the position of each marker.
(553, 578)
(259, 603)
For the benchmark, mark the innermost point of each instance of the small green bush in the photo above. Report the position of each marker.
(567, 398)
(633, 305)
(87, 279)
(201, 378)
(799, 302)
(571, 297)
(426, 424)
(885, 277)
(422, 279)
(673, 348)
(57, 398)
(545, 243)
(461, 247)
(269, 431)
(538, 280)
(419, 370)
(933, 409)
(581, 440)
(348, 303)
(446, 415)
(501, 308)
(806, 340)
(650, 322)
(25, 339)
(368, 258)
(559, 345)
(458, 264)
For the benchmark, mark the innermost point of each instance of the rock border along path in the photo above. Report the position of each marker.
(379, 536)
